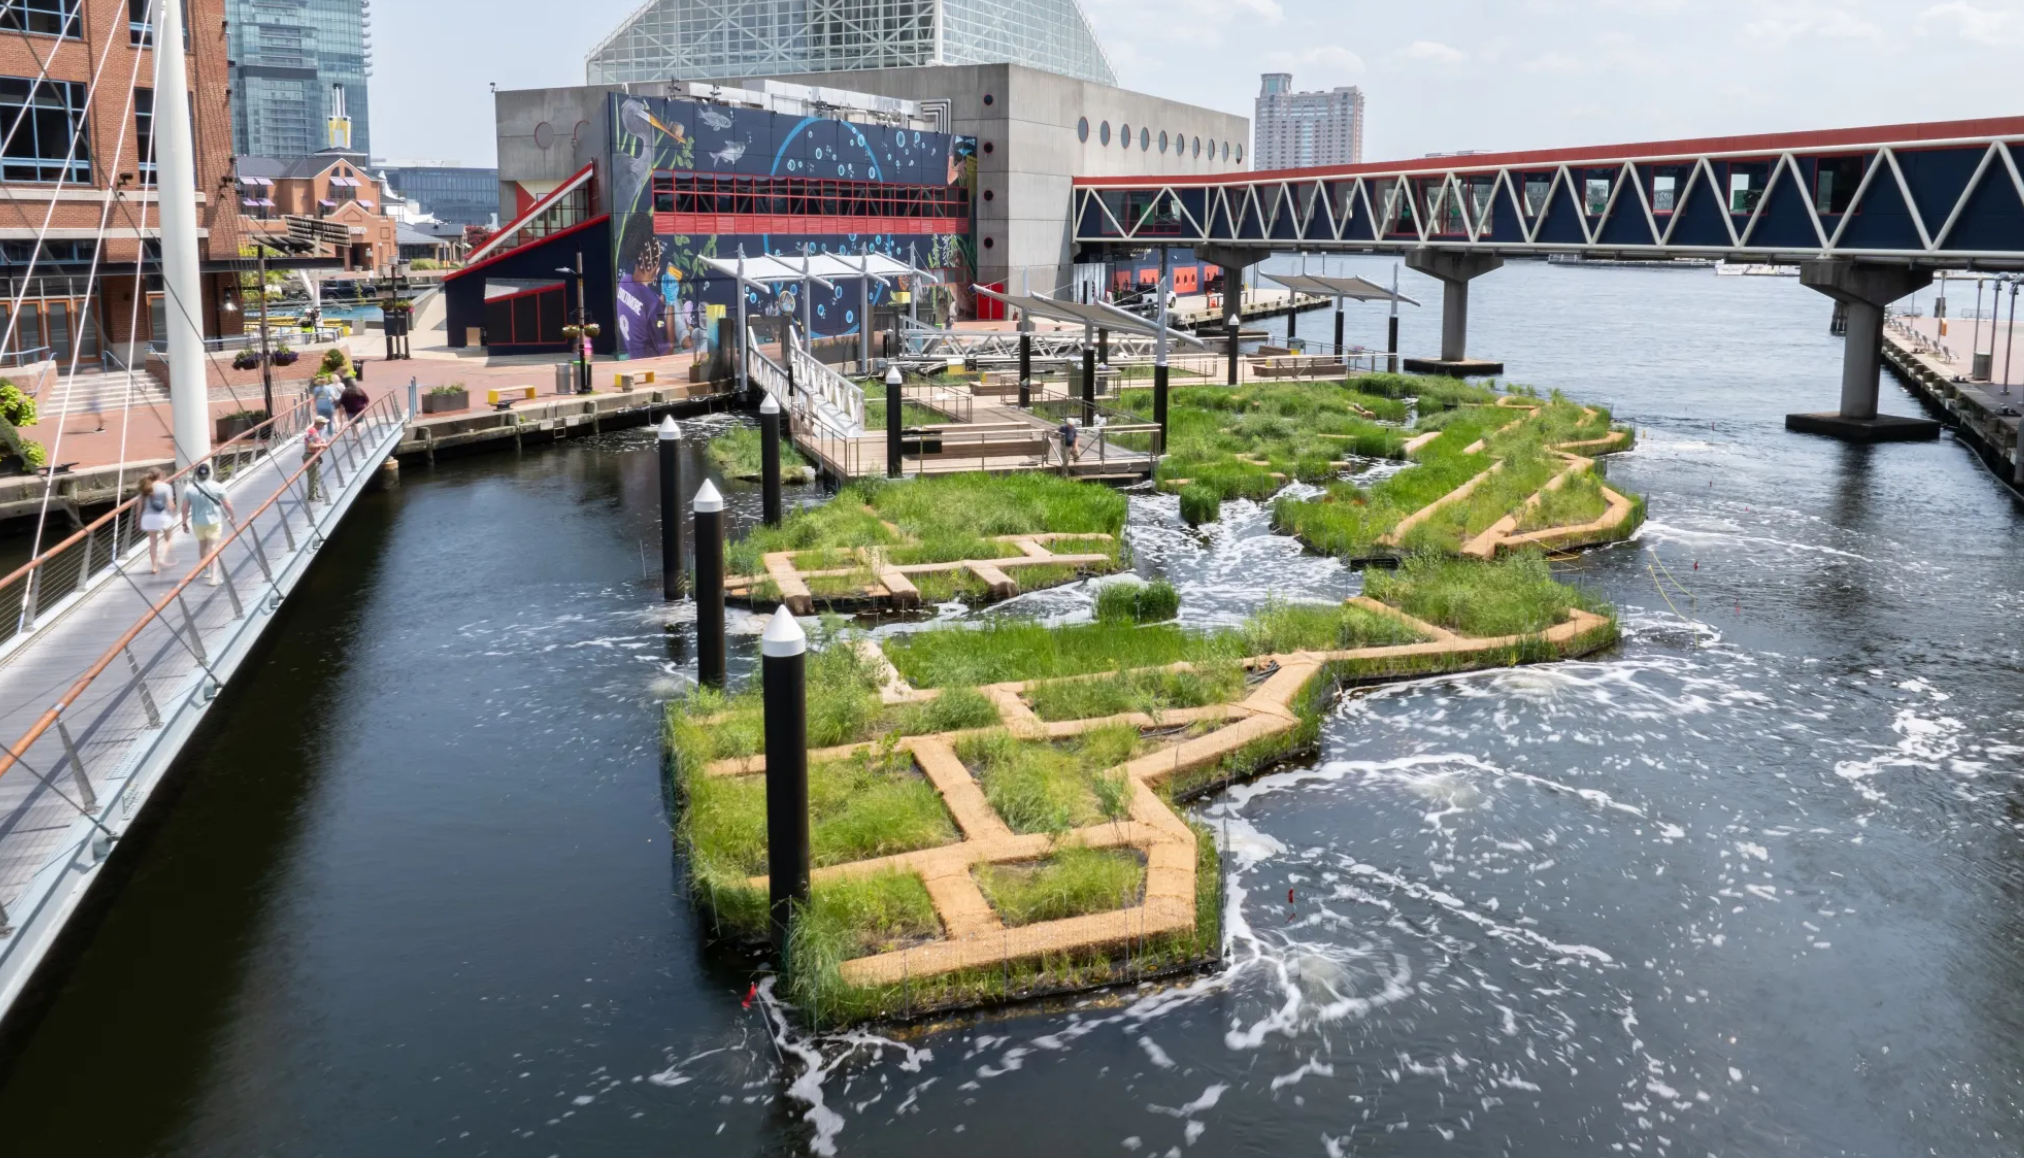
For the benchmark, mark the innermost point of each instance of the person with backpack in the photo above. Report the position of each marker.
(203, 502)
(325, 395)
(314, 443)
(158, 517)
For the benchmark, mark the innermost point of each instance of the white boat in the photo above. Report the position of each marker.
(1755, 269)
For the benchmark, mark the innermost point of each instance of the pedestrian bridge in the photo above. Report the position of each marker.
(1941, 195)
(106, 669)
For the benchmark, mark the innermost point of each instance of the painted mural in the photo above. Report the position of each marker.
(665, 294)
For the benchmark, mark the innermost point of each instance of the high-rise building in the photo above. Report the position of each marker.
(452, 192)
(1296, 130)
(730, 39)
(287, 55)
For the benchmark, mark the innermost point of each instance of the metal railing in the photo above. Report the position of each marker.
(829, 396)
(47, 584)
(141, 680)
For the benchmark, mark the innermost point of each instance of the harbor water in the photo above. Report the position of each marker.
(1748, 884)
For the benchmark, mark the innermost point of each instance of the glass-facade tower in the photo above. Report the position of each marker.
(286, 55)
(729, 39)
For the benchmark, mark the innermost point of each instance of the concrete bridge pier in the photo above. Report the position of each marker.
(1454, 269)
(1232, 262)
(1862, 290)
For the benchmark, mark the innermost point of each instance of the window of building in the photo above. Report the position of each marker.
(1597, 199)
(42, 17)
(144, 129)
(1082, 130)
(1240, 152)
(1145, 140)
(40, 124)
(1835, 184)
(1226, 150)
(141, 31)
(1535, 194)
(1103, 133)
(1665, 192)
(1163, 140)
(1746, 186)
(1124, 137)
(1198, 147)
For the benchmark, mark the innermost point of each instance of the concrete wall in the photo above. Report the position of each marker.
(569, 120)
(1029, 150)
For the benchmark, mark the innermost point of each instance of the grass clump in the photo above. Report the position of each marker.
(1281, 430)
(1070, 883)
(1429, 392)
(1513, 595)
(1287, 627)
(1202, 502)
(1037, 786)
(1576, 501)
(939, 519)
(911, 413)
(739, 453)
(1154, 602)
(1151, 692)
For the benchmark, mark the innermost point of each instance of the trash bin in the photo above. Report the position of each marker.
(565, 378)
(1980, 371)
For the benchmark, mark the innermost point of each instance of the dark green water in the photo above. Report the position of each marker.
(1747, 885)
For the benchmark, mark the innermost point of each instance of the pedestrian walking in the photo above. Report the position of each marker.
(158, 518)
(314, 443)
(1067, 433)
(96, 402)
(353, 398)
(325, 396)
(203, 504)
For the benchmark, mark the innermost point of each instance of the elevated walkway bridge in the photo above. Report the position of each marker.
(1869, 214)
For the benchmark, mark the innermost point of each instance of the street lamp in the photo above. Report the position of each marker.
(584, 327)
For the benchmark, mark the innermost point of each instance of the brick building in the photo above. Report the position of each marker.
(103, 188)
(334, 185)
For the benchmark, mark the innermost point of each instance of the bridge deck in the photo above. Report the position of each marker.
(139, 657)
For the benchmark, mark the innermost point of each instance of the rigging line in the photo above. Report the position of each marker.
(77, 133)
(90, 287)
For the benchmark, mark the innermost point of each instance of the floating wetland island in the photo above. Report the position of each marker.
(996, 806)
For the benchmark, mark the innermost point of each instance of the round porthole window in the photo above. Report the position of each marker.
(1082, 130)
(1226, 150)
(1163, 140)
(990, 100)
(1240, 153)
(1145, 140)
(1124, 138)
(990, 243)
(989, 147)
(544, 135)
(1198, 146)
(1103, 133)
(990, 196)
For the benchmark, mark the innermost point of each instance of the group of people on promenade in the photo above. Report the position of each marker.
(204, 507)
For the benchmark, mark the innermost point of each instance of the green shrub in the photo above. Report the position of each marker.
(16, 408)
(335, 361)
(1200, 504)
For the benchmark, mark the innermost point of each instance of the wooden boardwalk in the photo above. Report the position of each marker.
(97, 699)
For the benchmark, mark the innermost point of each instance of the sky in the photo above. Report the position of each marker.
(1438, 75)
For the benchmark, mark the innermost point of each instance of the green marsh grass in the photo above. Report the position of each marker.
(1070, 883)
(1043, 786)
(738, 453)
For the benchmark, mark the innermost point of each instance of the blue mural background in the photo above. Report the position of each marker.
(664, 290)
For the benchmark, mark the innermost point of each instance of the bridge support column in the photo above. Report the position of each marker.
(1454, 269)
(1233, 263)
(1862, 291)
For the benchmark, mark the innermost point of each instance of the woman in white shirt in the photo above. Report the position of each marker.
(158, 517)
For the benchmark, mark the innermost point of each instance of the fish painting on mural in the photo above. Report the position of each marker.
(716, 120)
(729, 154)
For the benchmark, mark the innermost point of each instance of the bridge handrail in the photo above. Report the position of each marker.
(28, 582)
(822, 384)
(386, 403)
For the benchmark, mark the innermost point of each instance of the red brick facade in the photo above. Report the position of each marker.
(82, 209)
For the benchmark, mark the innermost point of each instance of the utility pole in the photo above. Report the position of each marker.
(583, 320)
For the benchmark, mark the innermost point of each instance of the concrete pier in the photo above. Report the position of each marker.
(1862, 290)
(1454, 269)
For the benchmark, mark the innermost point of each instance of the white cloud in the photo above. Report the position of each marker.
(1328, 59)
(1783, 24)
(1433, 52)
(1971, 23)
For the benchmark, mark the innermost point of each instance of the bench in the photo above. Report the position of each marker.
(633, 380)
(503, 397)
